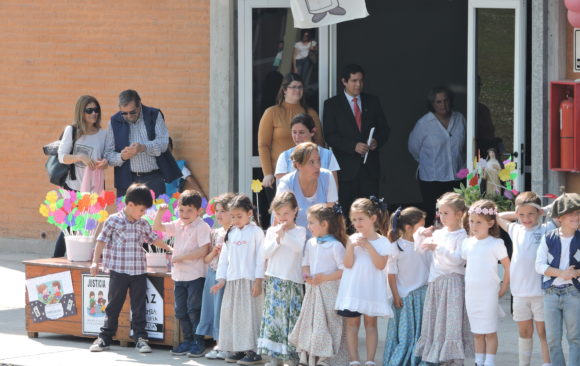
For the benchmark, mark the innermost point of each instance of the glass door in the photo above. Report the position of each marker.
(496, 83)
(266, 43)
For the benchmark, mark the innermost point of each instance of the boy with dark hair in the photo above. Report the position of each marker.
(121, 243)
(192, 238)
(558, 261)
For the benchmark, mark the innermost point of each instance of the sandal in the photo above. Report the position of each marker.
(323, 362)
(303, 359)
(354, 363)
(370, 363)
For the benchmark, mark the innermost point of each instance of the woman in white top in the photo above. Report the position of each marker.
(445, 334)
(84, 150)
(437, 142)
(408, 271)
(303, 129)
(482, 250)
(318, 333)
(241, 264)
(363, 289)
(301, 62)
(283, 247)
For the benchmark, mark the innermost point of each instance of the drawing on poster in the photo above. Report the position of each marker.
(51, 297)
(95, 294)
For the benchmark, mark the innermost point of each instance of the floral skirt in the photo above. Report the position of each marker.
(240, 317)
(282, 304)
(404, 330)
(319, 330)
(445, 334)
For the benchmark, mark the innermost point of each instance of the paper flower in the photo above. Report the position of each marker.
(510, 166)
(102, 215)
(256, 186)
(504, 175)
(51, 196)
(462, 173)
(474, 180)
(43, 210)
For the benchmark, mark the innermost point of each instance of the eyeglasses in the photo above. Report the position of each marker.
(133, 112)
(296, 87)
(92, 110)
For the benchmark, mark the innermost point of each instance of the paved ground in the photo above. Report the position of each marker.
(57, 350)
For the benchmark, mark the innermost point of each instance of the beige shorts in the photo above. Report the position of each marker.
(528, 307)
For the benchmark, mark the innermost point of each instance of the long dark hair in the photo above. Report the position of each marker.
(243, 202)
(288, 79)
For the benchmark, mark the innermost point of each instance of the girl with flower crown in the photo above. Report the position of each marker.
(318, 333)
(483, 287)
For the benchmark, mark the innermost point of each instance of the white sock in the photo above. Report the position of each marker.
(489, 360)
(546, 364)
(525, 346)
(479, 359)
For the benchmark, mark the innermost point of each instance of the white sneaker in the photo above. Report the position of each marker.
(142, 346)
(221, 355)
(212, 355)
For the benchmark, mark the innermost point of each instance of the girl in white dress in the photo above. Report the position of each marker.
(318, 333)
(363, 287)
(283, 247)
(408, 271)
(445, 336)
(482, 250)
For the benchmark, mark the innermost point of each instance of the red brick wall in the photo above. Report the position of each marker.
(54, 51)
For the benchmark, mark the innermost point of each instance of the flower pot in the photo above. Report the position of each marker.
(79, 248)
(156, 259)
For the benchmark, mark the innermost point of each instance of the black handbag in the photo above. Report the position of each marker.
(58, 172)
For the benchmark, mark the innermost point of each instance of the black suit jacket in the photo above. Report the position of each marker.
(342, 134)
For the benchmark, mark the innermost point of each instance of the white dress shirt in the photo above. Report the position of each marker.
(285, 258)
(543, 259)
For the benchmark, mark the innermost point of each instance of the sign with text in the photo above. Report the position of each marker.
(95, 294)
(51, 297)
(154, 308)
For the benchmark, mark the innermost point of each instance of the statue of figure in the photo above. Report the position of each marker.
(491, 173)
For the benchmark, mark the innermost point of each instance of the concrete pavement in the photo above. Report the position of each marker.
(58, 350)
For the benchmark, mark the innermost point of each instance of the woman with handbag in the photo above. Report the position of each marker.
(304, 55)
(82, 146)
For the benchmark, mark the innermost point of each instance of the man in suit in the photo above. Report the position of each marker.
(348, 119)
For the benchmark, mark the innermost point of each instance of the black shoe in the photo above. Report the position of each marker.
(251, 358)
(234, 357)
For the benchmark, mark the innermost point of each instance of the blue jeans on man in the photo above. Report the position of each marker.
(562, 308)
(188, 296)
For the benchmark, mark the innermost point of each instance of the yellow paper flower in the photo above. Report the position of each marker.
(52, 206)
(103, 215)
(43, 210)
(94, 198)
(510, 166)
(256, 186)
(51, 196)
(504, 175)
(159, 201)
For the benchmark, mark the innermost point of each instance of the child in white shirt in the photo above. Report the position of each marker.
(445, 336)
(283, 247)
(482, 250)
(408, 271)
(525, 283)
(241, 264)
(363, 287)
(318, 333)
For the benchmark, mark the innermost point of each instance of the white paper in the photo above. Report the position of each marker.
(369, 143)
(318, 13)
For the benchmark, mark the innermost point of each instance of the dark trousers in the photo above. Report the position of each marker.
(431, 191)
(364, 185)
(188, 296)
(60, 246)
(119, 283)
(154, 181)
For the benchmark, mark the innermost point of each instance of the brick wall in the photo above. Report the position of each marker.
(54, 51)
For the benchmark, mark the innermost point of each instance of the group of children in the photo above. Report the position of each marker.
(300, 301)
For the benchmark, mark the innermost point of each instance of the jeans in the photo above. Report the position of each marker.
(562, 306)
(119, 283)
(188, 306)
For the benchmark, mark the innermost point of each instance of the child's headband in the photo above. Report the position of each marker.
(531, 204)
(483, 211)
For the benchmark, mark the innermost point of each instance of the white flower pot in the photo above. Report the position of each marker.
(79, 248)
(156, 259)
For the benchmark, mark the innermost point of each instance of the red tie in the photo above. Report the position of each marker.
(357, 114)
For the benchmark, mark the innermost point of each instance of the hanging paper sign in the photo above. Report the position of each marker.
(51, 297)
(316, 13)
(95, 294)
(154, 308)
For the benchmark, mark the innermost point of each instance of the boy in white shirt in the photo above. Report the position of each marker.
(192, 238)
(526, 285)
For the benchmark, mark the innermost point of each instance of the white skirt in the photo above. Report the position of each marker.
(482, 304)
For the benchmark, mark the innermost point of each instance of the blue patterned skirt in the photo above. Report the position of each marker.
(404, 330)
(282, 305)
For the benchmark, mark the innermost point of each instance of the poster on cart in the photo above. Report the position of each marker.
(154, 308)
(95, 295)
(51, 297)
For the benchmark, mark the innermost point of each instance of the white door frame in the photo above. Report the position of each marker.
(519, 78)
(326, 81)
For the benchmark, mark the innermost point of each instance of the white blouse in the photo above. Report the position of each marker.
(242, 256)
(285, 259)
(411, 267)
(438, 151)
(447, 256)
(323, 258)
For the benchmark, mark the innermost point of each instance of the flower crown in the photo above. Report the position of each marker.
(483, 211)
